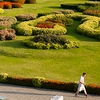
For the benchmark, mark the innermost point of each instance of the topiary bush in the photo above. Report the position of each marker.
(25, 17)
(3, 77)
(49, 41)
(1, 11)
(7, 34)
(37, 81)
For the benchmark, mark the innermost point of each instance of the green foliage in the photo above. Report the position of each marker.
(1, 11)
(88, 27)
(28, 28)
(37, 81)
(49, 42)
(3, 77)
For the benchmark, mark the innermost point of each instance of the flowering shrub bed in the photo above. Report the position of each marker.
(7, 22)
(92, 12)
(48, 84)
(9, 5)
(29, 27)
(25, 17)
(50, 41)
(7, 34)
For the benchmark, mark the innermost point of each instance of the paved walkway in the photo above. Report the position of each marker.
(14, 92)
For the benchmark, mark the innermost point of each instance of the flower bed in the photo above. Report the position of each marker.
(29, 27)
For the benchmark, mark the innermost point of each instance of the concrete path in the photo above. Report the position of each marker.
(14, 92)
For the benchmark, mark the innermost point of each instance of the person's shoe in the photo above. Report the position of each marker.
(86, 95)
(75, 95)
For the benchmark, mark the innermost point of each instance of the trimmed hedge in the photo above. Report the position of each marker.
(50, 84)
(28, 28)
(88, 26)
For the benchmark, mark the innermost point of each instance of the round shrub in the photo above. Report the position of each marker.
(25, 17)
(3, 77)
(49, 41)
(7, 34)
(37, 81)
(1, 11)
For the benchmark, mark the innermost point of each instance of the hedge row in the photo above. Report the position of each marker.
(88, 26)
(29, 27)
(9, 5)
(48, 84)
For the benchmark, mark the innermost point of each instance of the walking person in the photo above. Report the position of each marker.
(81, 86)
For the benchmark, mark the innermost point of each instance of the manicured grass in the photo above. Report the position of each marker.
(63, 65)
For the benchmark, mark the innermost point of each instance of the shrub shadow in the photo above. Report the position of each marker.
(13, 44)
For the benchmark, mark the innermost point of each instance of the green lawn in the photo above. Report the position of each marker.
(63, 65)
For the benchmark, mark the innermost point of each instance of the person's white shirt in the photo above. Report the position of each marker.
(81, 80)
